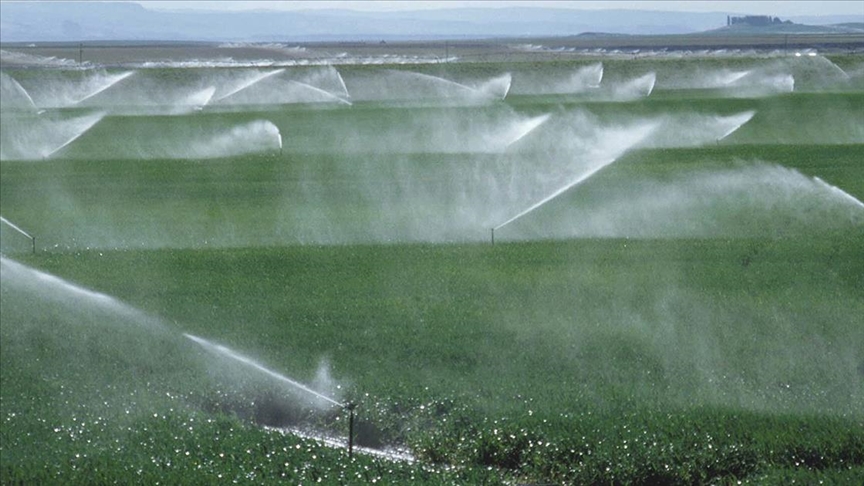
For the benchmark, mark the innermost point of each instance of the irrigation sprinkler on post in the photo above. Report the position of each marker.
(350, 406)
(493, 236)
(16, 228)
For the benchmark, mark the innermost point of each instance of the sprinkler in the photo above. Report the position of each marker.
(493, 236)
(21, 231)
(350, 406)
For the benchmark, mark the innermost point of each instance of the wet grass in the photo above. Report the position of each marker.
(539, 360)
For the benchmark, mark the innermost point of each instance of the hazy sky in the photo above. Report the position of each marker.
(776, 8)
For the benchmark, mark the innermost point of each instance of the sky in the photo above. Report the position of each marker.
(776, 8)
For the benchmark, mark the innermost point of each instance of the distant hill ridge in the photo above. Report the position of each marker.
(71, 21)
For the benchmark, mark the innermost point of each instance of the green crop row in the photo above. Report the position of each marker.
(445, 358)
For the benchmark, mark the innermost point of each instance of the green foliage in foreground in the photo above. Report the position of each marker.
(521, 362)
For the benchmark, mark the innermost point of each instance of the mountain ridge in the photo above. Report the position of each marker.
(104, 21)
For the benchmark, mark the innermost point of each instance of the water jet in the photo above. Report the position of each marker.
(20, 231)
(598, 161)
(92, 120)
(636, 88)
(522, 129)
(840, 192)
(350, 407)
(56, 289)
(13, 95)
(581, 80)
(111, 81)
(41, 137)
(575, 182)
(497, 87)
(229, 353)
(326, 94)
(202, 98)
(247, 83)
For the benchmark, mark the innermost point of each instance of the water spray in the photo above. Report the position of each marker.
(19, 230)
(840, 192)
(523, 128)
(111, 82)
(327, 95)
(554, 195)
(18, 88)
(350, 406)
(76, 136)
(257, 79)
(342, 83)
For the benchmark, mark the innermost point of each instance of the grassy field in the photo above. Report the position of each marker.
(690, 313)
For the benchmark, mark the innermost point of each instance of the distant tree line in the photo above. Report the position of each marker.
(755, 20)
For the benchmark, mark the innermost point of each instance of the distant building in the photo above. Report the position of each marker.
(755, 20)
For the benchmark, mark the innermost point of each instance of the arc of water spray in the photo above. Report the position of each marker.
(243, 359)
(202, 98)
(738, 121)
(497, 87)
(95, 119)
(556, 193)
(437, 79)
(342, 82)
(840, 192)
(279, 138)
(251, 82)
(482, 91)
(321, 91)
(16, 228)
(112, 82)
(733, 77)
(642, 86)
(105, 301)
(573, 183)
(17, 86)
(600, 77)
(526, 127)
(590, 76)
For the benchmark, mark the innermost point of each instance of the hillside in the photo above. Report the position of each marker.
(110, 21)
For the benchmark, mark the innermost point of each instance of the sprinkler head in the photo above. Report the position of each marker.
(350, 406)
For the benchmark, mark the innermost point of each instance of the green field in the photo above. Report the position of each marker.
(686, 309)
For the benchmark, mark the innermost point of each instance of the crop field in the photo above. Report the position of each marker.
(592, 271)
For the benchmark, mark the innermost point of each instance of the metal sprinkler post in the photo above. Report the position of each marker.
(493, 236)
(21, 231)
(350, 406)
